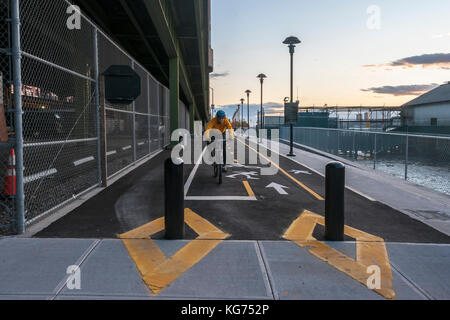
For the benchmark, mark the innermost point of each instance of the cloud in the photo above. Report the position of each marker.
(219, 75)
(405, 90)
(440, 60)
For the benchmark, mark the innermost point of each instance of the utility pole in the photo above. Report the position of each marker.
(291, 42)
(242, 113)
(261, 77)
(248, 107)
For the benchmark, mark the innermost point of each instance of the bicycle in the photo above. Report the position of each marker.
(218, 167)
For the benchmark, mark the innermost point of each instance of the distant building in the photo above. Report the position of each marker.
(305, 119)
(431, 109)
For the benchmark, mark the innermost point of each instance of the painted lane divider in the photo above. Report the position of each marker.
(278, 187)
(249, 189)
(158, 271)
(322, 175)
(187, 186)
(238, 165)
(370, 251)
(296, 172)
(126, 148)
(247, 175)
(314, 194)
(251, 196)
(220, 198)
(110, 153)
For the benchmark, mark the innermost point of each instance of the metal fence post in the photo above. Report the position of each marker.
(149, 117)
(375, 153)
(97, 106)
(406, 157)
(355, 154)
(338, 142)
(134, 126)
(17, 69)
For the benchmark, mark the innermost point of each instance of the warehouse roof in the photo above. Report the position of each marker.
(437, 95)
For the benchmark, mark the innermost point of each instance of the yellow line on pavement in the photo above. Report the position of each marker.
(145, 231)
(370, 251)
(249, 189)
(316, 195)
(205, 229)
(156, 269)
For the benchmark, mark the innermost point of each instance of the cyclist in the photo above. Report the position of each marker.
(221, 123)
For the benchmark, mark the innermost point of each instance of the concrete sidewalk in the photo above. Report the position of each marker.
(280, 270)
(426, 205)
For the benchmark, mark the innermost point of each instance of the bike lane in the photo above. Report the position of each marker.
(252, 206)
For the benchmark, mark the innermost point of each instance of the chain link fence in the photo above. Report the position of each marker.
(7, 207)
(60, 115)
(421, 159)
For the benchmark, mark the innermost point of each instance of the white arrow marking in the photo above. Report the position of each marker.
(300, 172)
(248, 175)
(238, 165)
(278, 187)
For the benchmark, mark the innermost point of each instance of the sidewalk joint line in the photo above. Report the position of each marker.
(60, 287)
(266, 270)
(412, 284)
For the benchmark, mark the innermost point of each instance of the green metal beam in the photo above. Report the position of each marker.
(199, 15)
(174, 66)
(142, 35)
(162, 19)
(192, 109)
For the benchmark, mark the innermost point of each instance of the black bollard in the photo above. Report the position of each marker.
(174, 200)
(334, 202)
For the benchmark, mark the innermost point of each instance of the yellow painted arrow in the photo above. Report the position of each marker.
(158, 271)
(370, 251)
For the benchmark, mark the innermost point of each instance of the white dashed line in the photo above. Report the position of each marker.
(126, 148)
(111, 153)
(220, 198)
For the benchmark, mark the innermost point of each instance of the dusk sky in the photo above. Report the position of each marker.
(347, 55)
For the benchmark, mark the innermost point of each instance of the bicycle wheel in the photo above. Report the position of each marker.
(216, 170)
(220, 174)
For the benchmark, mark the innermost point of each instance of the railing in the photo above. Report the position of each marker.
(422, 159)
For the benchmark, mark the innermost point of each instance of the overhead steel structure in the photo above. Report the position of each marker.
(170, 38)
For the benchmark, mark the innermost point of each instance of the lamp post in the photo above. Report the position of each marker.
(212, 105)
(261, 77)
(248, 107)
(242, 113)
(291, 42)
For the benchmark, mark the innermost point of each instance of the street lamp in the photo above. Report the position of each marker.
(242, 113)
(261, 77)
(248, 107)
(213, 107)
(291, 42)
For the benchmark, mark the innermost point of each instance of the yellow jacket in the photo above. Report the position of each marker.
(214, 124)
